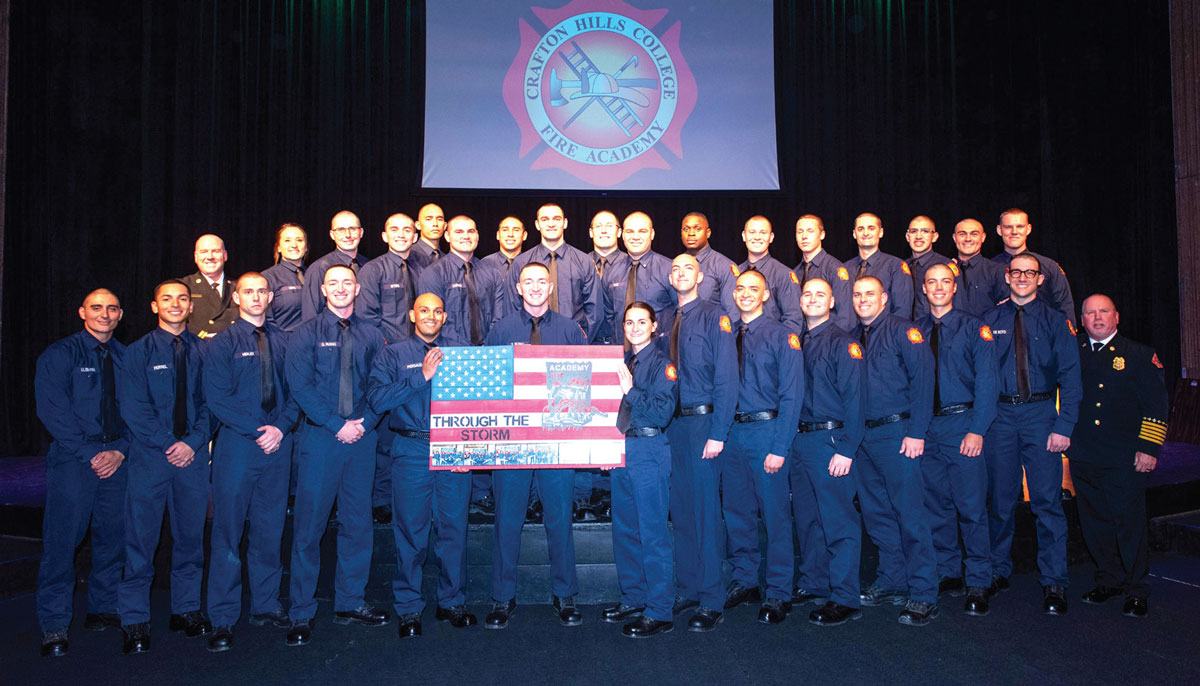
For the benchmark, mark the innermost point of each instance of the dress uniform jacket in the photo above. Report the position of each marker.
(212, 312)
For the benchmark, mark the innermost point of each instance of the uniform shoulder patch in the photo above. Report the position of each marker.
(794, 341)
(904, 268)
(855, 351)
(914, 336)
(733, 268)
(843, 274)
(953, 269)
(985, 332)
(1154, 361)
(726, 326)
(671, 374)
(795, 279)
(1071, 327)
(1060, 270)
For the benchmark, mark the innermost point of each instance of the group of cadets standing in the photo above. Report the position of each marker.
(752, 392)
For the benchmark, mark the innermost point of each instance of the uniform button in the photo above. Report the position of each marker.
(1097, 422)
(1097, 404)
(1101, 385)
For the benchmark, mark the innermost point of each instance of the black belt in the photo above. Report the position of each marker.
(105, 438)
(1034, 398)
(409, 433)
(696, 409)
(643, 432)
(890, 419)
(805, 427)
(310, 422)
(747, 417)
(946, 410)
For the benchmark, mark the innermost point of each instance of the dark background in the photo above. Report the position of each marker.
(137, 126)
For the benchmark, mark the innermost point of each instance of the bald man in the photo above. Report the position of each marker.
(921, 235)
(212, 305)
(346, 231)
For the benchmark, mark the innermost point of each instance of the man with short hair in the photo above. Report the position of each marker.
(817, 263)
(212, 307)
(1037, 356)
(898, 406)
(828, 435)
(753, 475)
(329, 360)
(1125, 397)
(422, 499)
(75, 388)
(891, 271)
(700, 343)
(536, 324)
(346, 232)
(431, 221)
(980, 281)
(576, 292)
(605, 232)
(783, 304)
(921, 236)
(511, 237)
(168, 467)
(644, 276)
(964, 405)
(720, 272)
(1014, 229)
(471, 292)
(247, 392)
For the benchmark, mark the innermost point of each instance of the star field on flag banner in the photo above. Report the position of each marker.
(526, 406)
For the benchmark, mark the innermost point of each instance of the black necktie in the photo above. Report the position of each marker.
(108, 392)
(804, 340)
(962, 273)
(181, 388)
(675, 337)
(410, 291)
(535, 334)
(630, 293)
(353, 266)
(475, 322)
(912, 272)
(266, 369)
(435, 255)
(862, 270)
(552, 258)
(933, 345)
(345, 370)
(804, 279)
(862, 337)
(300, 274)
(507, 265)
(625, 411)
(1021, 349)
(1097, 347)
(740, 335)
(601, 265)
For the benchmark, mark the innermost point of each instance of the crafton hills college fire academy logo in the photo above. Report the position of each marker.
(601, 88)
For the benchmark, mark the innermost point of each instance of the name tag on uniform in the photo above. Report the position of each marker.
(88, 370)
(999, 332)
(413, 366)
(390, 286)
(327, 344)
(248, 353)
(291, 288)
(458, 285)
(160, 367)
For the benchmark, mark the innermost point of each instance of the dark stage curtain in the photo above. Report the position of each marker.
(137, 126)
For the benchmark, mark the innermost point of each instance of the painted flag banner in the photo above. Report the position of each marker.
(526, 406)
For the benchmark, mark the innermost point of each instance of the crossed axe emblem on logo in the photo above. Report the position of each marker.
(613, 93)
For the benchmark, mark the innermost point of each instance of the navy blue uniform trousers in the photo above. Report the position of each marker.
(956, 501)
(749, 492)
(641, 540)
(828, 527)
(696, 511)
(511, 488)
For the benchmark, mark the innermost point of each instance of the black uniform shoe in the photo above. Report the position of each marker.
(533, 513)
(1054, 600)
(498, 617)
(1134, 607)
(457, 616)
(977, 601)
(567, 614)
(100, 622)
(833, 614)
(484, 506)
(410, 625)
(381, 514)
(874, 596)
(705, 619)
(738, 594)
(222, 639)
(683, 605)
(364, 614)
(918, 613)
(137, 638)
(999, 585)
(952, 586)
(1101, 594)
(54, 643)
(300, 633)
(192, 624)
(774, 611)
(277, 618)
(644, 627)
(581, 511)
(803, 597)
(620, 613)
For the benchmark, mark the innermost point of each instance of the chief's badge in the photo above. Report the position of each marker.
(671, 372)
(855, 351)
(1118, 363)
(985, 332)
(795, 279)
(914, 336)
(725, 325)
(794, 341)
(904, 268)
(953, 269)
(843, 274)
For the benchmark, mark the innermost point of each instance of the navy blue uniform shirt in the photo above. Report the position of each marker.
(708, 372)
(146, 388)
(827, 267)
(654, 393)
(503, 266)
(67, 386)
(314, 365)
(981, 285)
(784, 304)
(917, 266)
(554, 327)
(1056, 291)
(383, 297)
(772, 377)
(233, 385)
(899, 372)
(653, 288)
(398, 386)
(313, 301)
(895, 276)
(446, 279)
(605, 265)
(287, 303)
(834, 375)
(966, 363)
(578, 289)
(720, 276)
